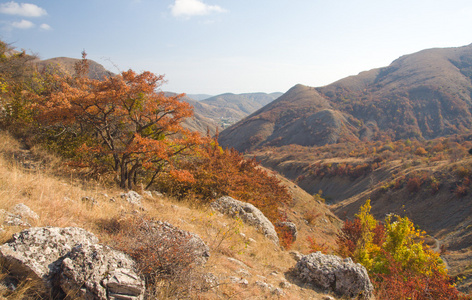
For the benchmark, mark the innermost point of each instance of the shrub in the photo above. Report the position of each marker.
(413, 185)
(314, 246)
(399, 263)
(166, 257)
(217, 172)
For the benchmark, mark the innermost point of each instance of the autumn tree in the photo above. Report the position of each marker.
(125, 123)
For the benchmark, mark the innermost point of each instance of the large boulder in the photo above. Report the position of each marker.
(99, 272)
(248, 213)
(68, 261)
(334, 274)
(37, 252)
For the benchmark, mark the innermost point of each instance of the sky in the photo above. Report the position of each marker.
(236, 46)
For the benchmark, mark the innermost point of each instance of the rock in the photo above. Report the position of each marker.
(24, 212)
(335, 274)
(244, 272)
(278, 292)
(19, 215)
(248, 213)
(210, 281)
(285, 284)
(148, 194)
(157, 194)
(290, 227)
(296, 255)
(239, 280)
(10, 219)
(68, 261)
(37, 252)
(270, 288)
(263, 285)
(132, 197)
(99, 272)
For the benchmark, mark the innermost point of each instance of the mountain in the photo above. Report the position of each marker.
(226, 109)
(67, 66)
(422, 95)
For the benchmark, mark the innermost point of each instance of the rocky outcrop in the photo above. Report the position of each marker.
(248, 213)
(335, 274)
(68, 261)
(99, 272)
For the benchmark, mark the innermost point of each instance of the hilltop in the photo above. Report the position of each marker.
(424, 95)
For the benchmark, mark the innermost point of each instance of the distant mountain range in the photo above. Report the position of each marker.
(227, 109)
(423, 95)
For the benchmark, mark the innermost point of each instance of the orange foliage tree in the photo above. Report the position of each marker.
(129, 126)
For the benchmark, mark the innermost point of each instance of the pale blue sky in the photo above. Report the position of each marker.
(217, 46)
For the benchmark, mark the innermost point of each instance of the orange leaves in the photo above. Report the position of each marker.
(123, 116)
(217, 172)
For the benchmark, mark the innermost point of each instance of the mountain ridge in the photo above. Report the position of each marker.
(422, 95)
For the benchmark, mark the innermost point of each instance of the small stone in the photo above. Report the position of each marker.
(132, 197)
(239, 280)
(285, 284)
(244, 272)
(278, 292)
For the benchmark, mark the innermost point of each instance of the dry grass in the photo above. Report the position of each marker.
(237, 250)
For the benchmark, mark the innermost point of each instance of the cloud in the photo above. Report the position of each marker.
(22, 9)
(45, 27)
(23, 24)
(188, 8)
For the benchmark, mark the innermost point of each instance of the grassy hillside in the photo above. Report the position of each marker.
(54, 192)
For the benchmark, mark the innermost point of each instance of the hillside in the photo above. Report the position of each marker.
(427, 181)
(44, 184)
(422, 95)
